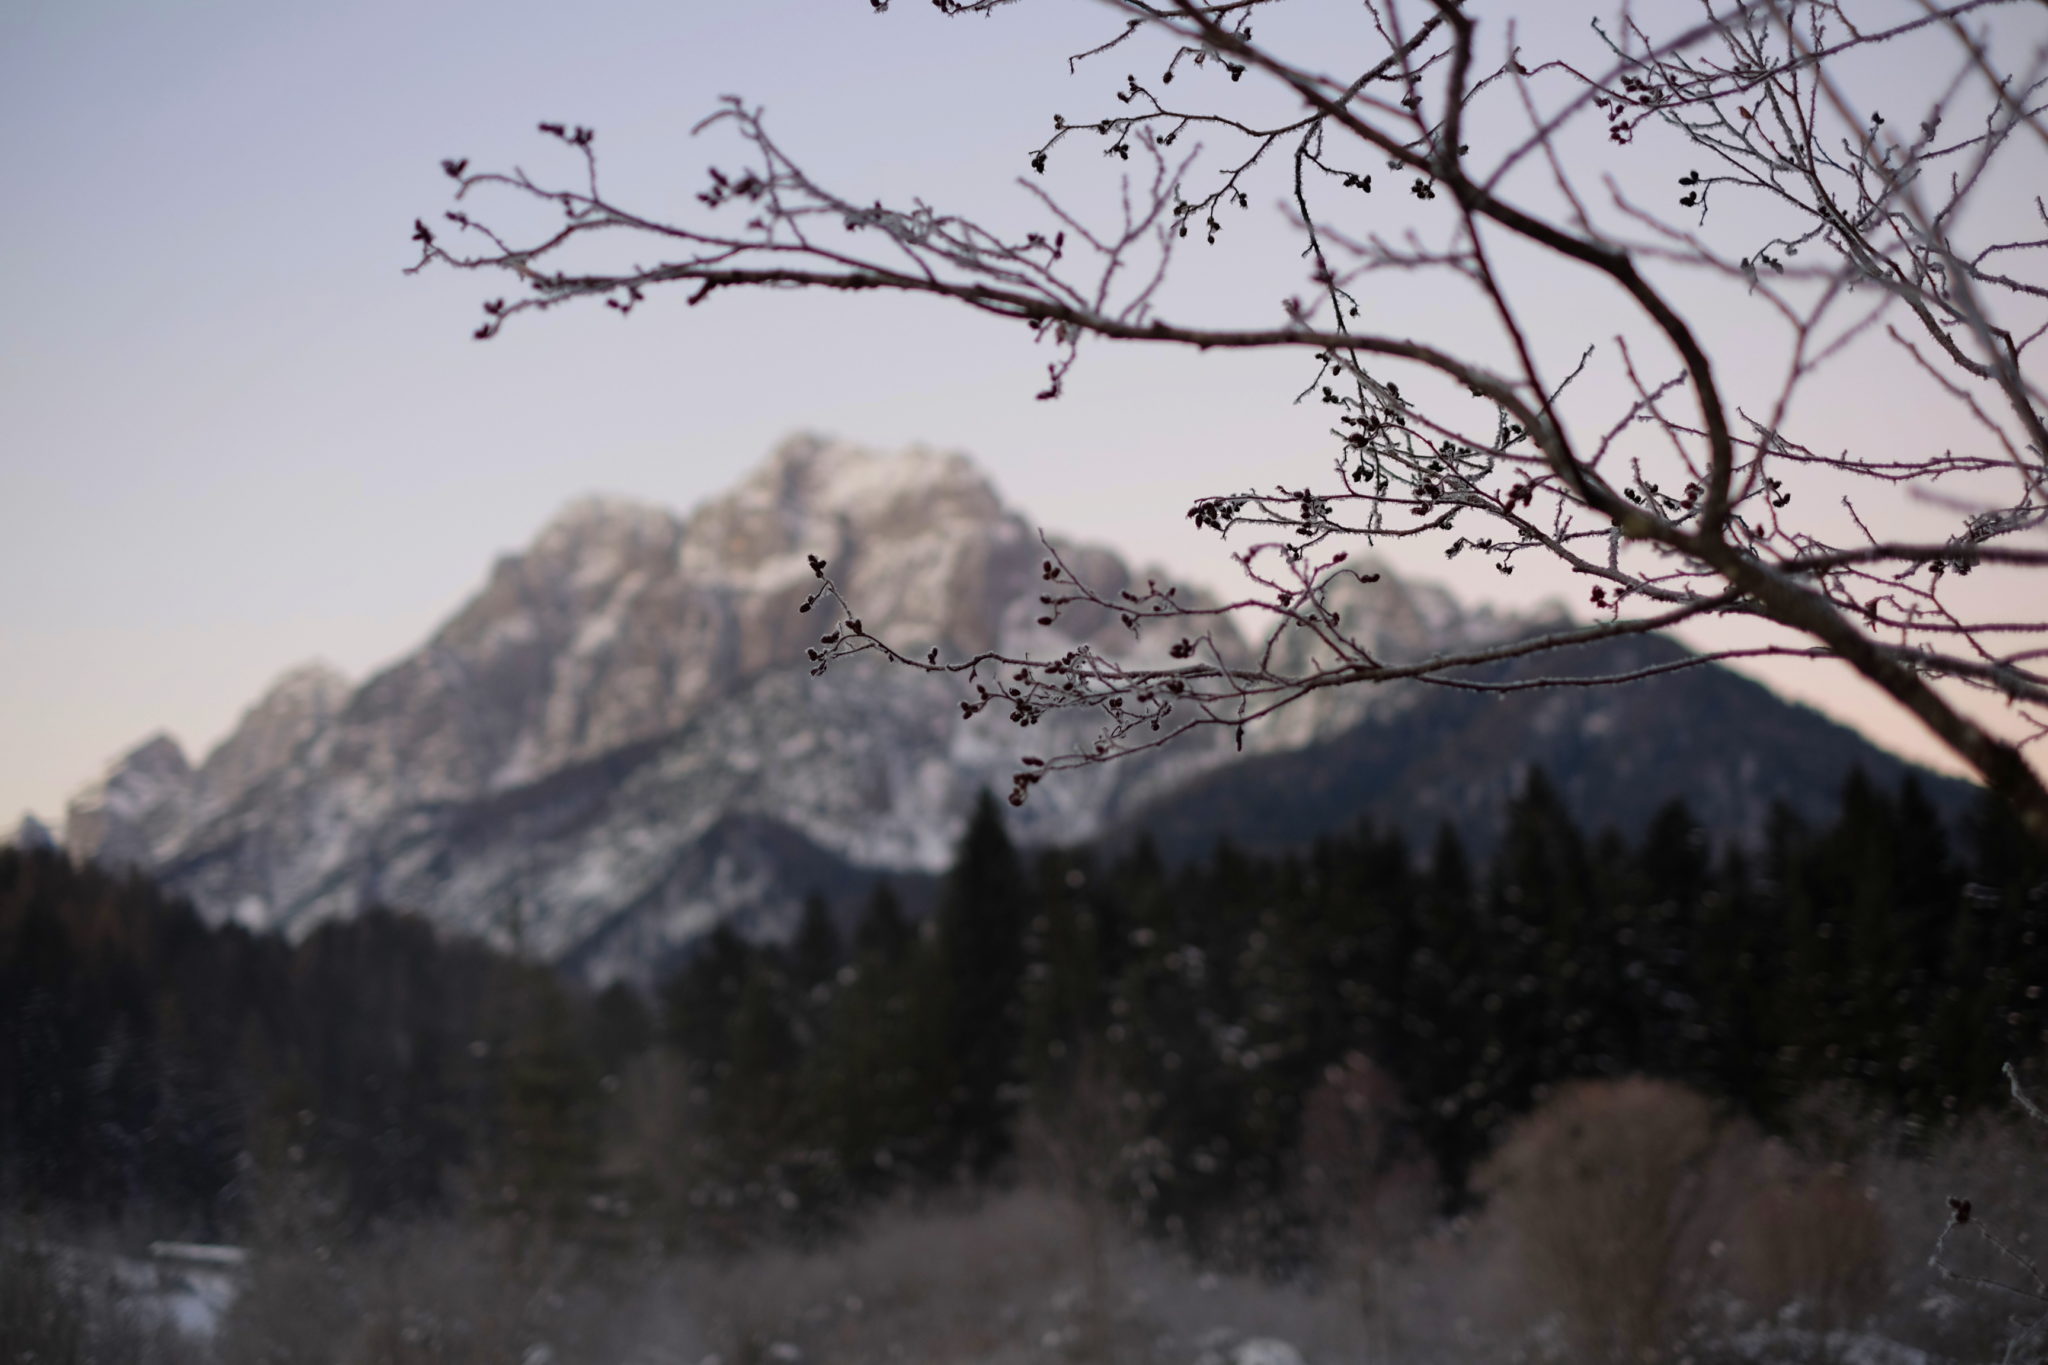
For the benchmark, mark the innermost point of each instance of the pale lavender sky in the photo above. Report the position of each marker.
(233, 436)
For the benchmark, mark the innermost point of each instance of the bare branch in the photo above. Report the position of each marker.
(1657, 468)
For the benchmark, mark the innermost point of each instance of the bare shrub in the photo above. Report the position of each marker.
(1625, 1222)
(1602, 1199)
(1078, 1144)
(653, 1145)
(974, 1282)
(1078, 1140)
(1812, 1244)
(1371, 1191)
(1360, 1167)
(997, 1281)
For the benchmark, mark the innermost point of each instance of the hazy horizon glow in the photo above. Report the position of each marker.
(234, 436)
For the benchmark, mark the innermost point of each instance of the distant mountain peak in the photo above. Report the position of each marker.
(159, 756)
(812, 480)
(615, 741)
(137, 810)
(593, 541)
(604, 516)
(291, 714)
(316, 681)
(584, 735)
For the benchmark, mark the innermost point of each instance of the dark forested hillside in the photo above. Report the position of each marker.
(163, 1071)
(1425, 755)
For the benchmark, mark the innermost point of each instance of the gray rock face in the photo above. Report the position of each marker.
(270, 735)
(615, 743)
(139, 813)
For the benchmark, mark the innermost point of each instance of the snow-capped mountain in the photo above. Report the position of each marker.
(616, 741)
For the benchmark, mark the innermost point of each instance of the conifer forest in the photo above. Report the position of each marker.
(1342, 1066)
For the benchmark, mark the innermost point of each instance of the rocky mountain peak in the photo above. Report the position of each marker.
(913, 536)
(617, 736)
(315, 683)
(139, 807)
(268, 737)
(596, 537)
(158, 759)
(810, 475)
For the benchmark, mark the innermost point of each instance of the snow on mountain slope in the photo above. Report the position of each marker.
(616, 739)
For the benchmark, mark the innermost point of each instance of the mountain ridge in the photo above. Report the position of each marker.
(615, 692)
(1724, 744)
(613, 743)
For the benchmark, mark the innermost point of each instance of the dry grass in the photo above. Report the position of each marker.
(1624, 1221)
(1021, 1276)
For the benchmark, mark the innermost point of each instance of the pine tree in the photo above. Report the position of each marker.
(815, 951)
(981, 918)
(1438, 1038)
(761, 1053)
(1063, 996)
(698, 1001)
(621, 1027)
(882, 933)
(547, 1146)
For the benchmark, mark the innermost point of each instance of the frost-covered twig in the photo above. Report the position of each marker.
(1859, 229)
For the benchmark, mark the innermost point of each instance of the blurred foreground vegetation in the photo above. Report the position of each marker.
(1582, 1098)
